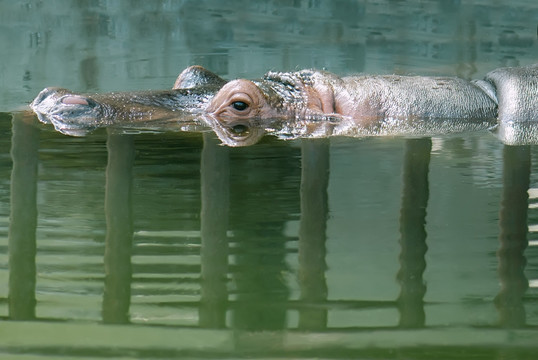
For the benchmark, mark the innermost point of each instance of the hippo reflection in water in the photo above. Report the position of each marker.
(306, 103)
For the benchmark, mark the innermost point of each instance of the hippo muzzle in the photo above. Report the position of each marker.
(68, 112)
(77, 114)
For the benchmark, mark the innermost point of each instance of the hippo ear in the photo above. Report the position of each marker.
(195, 76)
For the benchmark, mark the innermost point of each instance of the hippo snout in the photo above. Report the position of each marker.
(67, 111)
(39, 104)
(60, 104)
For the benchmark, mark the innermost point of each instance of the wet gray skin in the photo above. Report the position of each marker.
(306, 103)
(69, 111)
(516, 89)
(76, 114)
(517, 92)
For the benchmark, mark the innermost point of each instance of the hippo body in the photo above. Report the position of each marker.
(370, 99)
(305, 103)
(516, 91)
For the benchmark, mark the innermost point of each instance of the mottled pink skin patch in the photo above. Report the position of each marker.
(74, 100)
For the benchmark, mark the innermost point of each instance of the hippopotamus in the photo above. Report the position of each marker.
(307, 103)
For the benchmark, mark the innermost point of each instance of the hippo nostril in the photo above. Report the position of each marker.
(74, 100)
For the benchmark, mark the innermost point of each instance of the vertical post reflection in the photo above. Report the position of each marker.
(264, 193)
(513, 236)
(413, 232)
(215, 182)
(312, 233)
(23, 220)
(119, 228)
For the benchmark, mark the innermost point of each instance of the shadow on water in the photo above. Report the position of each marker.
(244, 274)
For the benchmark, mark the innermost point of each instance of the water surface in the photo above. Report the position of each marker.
(168, 245)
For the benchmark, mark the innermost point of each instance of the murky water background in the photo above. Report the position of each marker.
(168, 245)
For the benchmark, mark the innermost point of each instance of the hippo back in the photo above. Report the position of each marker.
(517, 93)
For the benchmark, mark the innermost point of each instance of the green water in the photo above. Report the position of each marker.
(169, 245)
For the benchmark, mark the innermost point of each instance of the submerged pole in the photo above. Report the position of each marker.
(119, 229)
(312, 233)
(513, 236)
(23, 219)
(415, 196)
(215, 183)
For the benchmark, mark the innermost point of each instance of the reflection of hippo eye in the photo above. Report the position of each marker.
(239, 105)
(239, 129)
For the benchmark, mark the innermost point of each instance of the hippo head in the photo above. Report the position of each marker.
(239, 111)
(242, 111)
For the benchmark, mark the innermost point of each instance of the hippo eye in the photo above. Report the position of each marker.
(240, 105)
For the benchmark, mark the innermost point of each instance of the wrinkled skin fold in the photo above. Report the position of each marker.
(306, 103)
